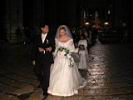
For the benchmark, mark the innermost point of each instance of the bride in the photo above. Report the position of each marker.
(65, 79)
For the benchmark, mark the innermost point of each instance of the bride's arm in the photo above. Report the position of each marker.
(72, 47)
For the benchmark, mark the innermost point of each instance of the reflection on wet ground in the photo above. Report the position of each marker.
(109, 76)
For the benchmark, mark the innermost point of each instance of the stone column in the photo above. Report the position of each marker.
(14, 17)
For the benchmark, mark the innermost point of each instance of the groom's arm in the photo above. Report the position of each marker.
(51, 47)
(34, 51)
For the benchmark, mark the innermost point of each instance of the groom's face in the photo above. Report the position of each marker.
(45, 29)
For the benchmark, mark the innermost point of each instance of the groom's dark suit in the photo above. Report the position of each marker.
(43, 60)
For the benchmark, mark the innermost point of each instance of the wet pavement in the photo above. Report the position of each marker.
(110, 74)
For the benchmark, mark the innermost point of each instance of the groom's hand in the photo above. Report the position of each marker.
(41, 49)
(33, 63)
(49, 49)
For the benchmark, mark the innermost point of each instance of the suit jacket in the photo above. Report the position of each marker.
(46, 57)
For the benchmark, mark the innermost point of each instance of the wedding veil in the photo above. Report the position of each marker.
(66, 29)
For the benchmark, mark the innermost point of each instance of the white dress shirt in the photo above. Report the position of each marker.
(43, 36)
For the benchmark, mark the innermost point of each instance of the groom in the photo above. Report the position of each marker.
(42, 57)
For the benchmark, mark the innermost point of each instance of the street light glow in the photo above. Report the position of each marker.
(106, 23)
(87, 23)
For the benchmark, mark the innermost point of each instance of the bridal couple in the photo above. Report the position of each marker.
(54, 66)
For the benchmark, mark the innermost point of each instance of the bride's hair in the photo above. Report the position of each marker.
(65, 28)
(62, 28)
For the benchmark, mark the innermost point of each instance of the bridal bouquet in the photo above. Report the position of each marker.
(63, 50)
(66, 52)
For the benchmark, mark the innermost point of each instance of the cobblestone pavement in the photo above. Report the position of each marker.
(109, 78)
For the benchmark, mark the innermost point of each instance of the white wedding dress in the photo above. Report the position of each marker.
(64, 80)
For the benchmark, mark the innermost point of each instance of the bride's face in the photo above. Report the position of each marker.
(62, 32)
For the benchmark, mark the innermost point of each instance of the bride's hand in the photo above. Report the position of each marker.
(76, 50)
